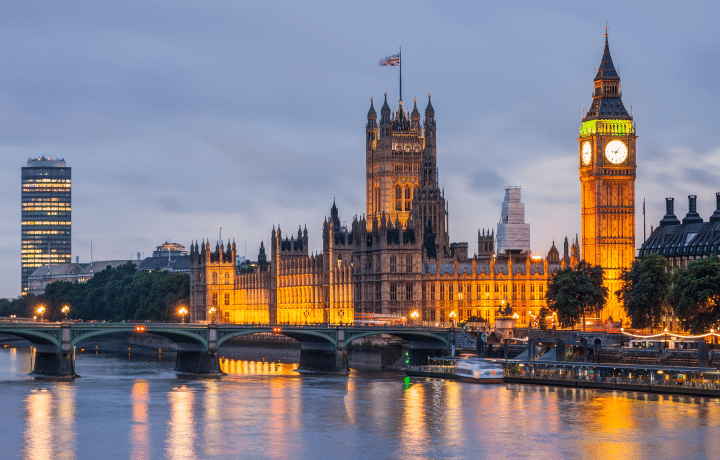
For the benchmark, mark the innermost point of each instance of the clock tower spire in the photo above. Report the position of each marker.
(607, 163)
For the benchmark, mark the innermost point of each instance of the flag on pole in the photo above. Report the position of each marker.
(393, 60)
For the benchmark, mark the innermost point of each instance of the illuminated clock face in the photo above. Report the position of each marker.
(616, 152)
(586, 153)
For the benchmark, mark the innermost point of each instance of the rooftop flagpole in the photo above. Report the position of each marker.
(394, 61)
(400, 63)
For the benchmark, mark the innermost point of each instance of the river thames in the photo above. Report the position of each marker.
(132, 407)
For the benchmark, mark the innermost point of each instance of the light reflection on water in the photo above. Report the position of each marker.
(239, 367)
(138, 408)
(181, 426)
(140, 430)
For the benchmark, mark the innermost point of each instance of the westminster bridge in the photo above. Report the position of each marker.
(322, 347)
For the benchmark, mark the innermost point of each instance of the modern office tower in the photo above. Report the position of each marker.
(46, 237)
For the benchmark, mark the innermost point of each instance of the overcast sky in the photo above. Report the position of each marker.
(181, 117)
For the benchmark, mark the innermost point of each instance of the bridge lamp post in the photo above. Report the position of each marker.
(41, 312)
(212, 314)
(66, 310)
(306, 313)
(182, 312)
(414, 316)
(341, 313)
(453, 315)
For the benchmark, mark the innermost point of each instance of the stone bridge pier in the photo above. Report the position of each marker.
(322, 356)
(196, 358)
(48, 360)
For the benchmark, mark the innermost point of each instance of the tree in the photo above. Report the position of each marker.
(118, 294)
(644, 291)
(575, 293)
(696, 295)
(542, 318)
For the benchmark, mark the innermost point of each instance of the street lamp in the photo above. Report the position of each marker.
(414, 316)
(341, 313)
(212, 314)
(306, 313)
(453, 315)
(66, 310)
(182, 312)
(41, 312)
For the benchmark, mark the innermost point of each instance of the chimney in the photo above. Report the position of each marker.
(670, 218)
(692, 216)
(716, 215)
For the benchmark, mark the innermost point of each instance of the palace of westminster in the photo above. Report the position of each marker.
(397, 260)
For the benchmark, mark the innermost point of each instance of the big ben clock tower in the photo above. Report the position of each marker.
(607, 176)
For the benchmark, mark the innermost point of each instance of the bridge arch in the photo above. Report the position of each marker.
(412, 337)
(319, 339)
(195, 338)
(39, 338)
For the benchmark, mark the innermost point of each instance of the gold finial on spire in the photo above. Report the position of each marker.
(371, 98)
(606, 29)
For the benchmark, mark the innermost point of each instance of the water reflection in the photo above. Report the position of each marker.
(239, 367)
(65, 420)
(453, 413)
(212, 427)
(140, 431)
(38, 434)
(413, 439)
(50, 422)
(265, 410)
(181, 425)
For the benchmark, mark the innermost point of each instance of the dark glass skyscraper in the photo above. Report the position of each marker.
(46, 237)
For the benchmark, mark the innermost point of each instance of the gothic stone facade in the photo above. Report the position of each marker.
(394, 261)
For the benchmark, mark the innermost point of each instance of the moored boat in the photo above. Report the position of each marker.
(479, 370)
(466, 369)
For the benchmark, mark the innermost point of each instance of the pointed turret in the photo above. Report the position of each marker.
(607, 69)
(553, 254)
(607, 102)
(429, 110)
(400, 121)
(385, 113)
(334, 215)
(415, 117)
(262, 257)
(372, 115)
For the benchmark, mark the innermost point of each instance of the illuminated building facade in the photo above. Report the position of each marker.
(607, 160)
(46, 209)
(394, 262)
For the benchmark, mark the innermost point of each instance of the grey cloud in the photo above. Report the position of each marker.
(488, 181)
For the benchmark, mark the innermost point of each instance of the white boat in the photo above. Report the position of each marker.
(478, 370)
